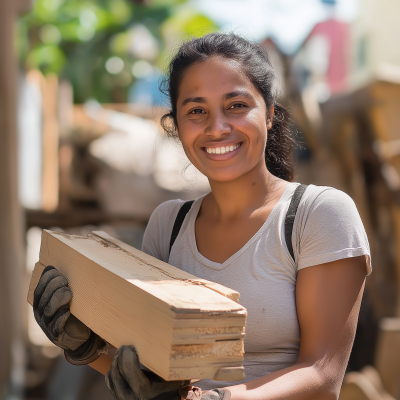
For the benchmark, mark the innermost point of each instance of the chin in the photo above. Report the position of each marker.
(225, 176)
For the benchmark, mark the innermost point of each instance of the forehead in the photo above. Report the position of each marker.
(215, 76)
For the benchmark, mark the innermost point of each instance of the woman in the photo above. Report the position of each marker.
(302, 293)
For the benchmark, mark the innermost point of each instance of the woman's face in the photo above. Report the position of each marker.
(222, 119)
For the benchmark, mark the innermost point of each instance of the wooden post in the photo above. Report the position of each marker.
(11, 216)
(50, 144)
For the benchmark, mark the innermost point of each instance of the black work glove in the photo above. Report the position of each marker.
(127, 381)
(196, 393)
(51, 310)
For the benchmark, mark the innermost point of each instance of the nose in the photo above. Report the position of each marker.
(218, 126)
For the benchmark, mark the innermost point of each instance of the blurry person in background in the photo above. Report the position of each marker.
(297, 254)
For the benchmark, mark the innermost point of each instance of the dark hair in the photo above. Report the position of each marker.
(258, 68)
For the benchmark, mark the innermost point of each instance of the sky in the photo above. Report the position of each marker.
(287, 21)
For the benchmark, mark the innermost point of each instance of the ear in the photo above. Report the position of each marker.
(177, 133)
(176, 129)
(270, 117)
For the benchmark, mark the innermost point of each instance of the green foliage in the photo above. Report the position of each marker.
(76, 39)
(187, 23)
(47, 57)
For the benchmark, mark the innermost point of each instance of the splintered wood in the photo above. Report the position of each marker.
(183, 327)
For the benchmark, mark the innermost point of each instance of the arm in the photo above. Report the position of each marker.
(328, 298)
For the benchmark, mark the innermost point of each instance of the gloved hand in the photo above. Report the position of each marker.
(51, 310)
(196, 393)
(127, 381)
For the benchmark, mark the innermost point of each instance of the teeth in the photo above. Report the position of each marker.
(221, 150)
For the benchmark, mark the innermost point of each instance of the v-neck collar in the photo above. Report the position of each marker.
(220, 266)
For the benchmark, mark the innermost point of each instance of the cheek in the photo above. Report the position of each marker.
(256, 119)
(259, 129)
(186, 137)
(189, 132)
(183, 132)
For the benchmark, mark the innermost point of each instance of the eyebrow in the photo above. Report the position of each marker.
(193, 100)
(227, 96)
(238, 93)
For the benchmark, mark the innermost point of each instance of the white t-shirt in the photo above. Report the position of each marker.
(327, 228)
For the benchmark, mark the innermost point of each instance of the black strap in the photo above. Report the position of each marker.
(289, 220)
(291, 215)
(179, 221)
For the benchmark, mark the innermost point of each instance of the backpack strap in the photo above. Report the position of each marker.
(289, 220)
(291, 215)
(179, 221)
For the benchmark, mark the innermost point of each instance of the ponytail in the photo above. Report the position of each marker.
(279, 145)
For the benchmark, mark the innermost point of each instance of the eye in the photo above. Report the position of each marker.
(196, 111)
(237, 106)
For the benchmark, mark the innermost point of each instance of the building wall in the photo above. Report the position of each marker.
(375, 40)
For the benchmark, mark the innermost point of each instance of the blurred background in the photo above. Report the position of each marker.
(81, 147)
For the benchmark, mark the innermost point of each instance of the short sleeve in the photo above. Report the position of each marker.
(330, 229)
(158, 231)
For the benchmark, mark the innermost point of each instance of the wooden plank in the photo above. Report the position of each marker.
(364, 385)
(23, 6)
(356, 386)
(206, 335)
(220, 372)
(176, 273)
(37, 272)
(179, 323)
(12, 271)
(387, 359)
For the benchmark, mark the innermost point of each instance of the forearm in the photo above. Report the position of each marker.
(328, 298)
(302, 381)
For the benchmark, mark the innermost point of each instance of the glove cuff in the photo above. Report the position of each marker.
(195, 393)
(224, 394)
(88, 352)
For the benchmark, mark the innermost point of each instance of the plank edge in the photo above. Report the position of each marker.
(36, 274)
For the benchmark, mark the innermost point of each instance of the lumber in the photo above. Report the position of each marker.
(364, 385)
(387, 357)
(183, 327)
(12, 246)
(356, 386)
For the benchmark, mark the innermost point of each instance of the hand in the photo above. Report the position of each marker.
(127, 381)
(51, 310)
(196, 393)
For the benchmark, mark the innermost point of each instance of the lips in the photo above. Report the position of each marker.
(222, 149)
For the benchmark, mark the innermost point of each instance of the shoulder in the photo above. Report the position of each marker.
(167, 210)
(325, 200)
(158, 231)
(330, 210)
(328, 227)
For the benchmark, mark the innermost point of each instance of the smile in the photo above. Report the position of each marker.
(222, 149)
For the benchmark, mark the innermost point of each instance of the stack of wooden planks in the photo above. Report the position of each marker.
(183, 327)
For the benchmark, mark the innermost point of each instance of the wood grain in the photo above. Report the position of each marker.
(183, 327)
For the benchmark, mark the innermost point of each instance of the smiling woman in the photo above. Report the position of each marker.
(298, 255)
(224, 111)
(250, 64)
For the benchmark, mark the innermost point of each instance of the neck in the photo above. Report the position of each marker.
(245, 194)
